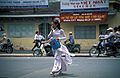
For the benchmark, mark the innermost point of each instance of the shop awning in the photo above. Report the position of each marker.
(39, 15)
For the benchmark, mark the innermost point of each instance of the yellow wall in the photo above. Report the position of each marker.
(27, 43)
(85, 43)
(114, 20)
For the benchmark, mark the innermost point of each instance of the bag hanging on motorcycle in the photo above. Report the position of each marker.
(55, 44)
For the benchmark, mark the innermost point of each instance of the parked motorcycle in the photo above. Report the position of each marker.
(72, 48)
(98, 49)
(8, 47)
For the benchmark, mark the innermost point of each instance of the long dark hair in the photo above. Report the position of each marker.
(57, 23)
(119, 28)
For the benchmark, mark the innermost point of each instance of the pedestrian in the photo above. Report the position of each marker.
(60, 63)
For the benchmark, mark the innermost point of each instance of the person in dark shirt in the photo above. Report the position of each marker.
(71, 38)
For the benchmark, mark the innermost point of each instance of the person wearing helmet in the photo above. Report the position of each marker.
(71, 38)
(3, 41)
(70, 42)
(110, 38)
(117, 36)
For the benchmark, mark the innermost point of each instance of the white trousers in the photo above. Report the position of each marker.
(60, 63)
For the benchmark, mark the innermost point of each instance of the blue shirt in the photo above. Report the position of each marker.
(71, 39)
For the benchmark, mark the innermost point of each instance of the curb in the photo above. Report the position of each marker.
(31, 55)
(16, 55)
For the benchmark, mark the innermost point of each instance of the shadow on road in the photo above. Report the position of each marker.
(62, 75)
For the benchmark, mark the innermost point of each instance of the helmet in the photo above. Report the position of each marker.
(70, 33)
(110, 28)
(4, 34)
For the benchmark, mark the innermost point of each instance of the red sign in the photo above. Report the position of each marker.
(84, 17)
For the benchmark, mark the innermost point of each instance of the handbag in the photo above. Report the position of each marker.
(55, 44)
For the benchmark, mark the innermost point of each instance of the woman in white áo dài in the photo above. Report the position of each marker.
(60, 63)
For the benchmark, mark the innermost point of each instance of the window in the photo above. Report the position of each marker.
(85, 32)
(21, 30)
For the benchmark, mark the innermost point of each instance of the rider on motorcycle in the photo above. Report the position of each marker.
(117, 36)
(110, 39)
(71, 40)
(3, 41)
(37, 39)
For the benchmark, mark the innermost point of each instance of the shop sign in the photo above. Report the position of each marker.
(84, 5)
(23, 3)
(84, 17)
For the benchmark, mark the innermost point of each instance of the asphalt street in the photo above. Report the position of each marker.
(39, 67)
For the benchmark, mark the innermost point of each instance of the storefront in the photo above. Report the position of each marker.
(86, 25)
(21, 30)
(85, 19)
(21, 19)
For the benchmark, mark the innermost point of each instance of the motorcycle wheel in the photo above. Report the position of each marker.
(36, 53)
(111, 52)
(9, 50)
(48, 50)
(77, 49)
(93, 52)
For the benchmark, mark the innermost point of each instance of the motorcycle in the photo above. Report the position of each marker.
(42, 49)
(98, 49)
(72, 48)
(48, 49)
(8, 47)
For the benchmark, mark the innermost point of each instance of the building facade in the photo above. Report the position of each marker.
(21, 24)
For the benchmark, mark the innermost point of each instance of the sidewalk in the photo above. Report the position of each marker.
(28, 53)
(31, 55)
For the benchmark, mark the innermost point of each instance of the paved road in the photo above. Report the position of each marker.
(28, 53)
(39, 67)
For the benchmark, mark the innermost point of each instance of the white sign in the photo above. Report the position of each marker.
(23, 3)
(84, 5)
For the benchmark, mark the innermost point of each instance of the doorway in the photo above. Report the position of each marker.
(44, 29)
